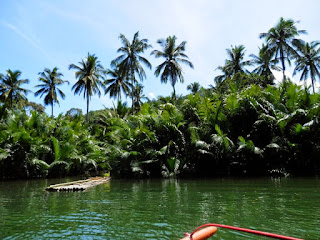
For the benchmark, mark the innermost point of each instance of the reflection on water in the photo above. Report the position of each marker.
(160, 209)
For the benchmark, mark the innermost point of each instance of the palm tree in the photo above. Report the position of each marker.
(170, 69)
(10, 89)
(235, 63)
(308, 60)
(50, 80)
(89, 74)
(117, 83)
(194, 87)
(265, 64)
(138, 96)
(279, 39)
(218, 80)
(130, 59)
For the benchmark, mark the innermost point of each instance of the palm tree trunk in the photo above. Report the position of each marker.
(132, 78)
(283, 65)
(10, 101)
(118, 99)
(312, 82)
(284, 81)
(132, 98)
(87, 108)
(51, 110)
(174, 93)
(283, 75)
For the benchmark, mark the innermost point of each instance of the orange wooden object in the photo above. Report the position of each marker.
(202, 234)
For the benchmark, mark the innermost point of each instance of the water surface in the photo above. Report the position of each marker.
(160, 209)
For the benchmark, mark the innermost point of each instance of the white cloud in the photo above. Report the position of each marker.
(151, 95)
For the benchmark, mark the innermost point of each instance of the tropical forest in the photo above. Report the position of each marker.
(245, 124)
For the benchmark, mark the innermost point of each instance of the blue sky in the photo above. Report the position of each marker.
(38, 34)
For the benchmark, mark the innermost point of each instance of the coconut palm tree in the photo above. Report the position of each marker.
(307, 60)
(10, 89)
(279, 40)
(89, 73)
(264, 64)
(218, 80)
(170, 69)
(130, 59)
(50, 80)
(235, 64)
(138, 96)
(117, 83)
(194, 87)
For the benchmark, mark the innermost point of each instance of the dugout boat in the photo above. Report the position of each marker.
(207, 230)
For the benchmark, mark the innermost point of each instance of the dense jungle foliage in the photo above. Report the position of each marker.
(252, 131)
(244, 125)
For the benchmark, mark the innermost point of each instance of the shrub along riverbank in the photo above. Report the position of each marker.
(244, 130)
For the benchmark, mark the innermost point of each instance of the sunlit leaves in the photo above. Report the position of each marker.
(36, 145)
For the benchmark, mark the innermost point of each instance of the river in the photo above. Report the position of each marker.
(160, 209)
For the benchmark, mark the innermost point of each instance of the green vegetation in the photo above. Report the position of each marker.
(35, 145)
(307, 60)
(244, 125)
(170, 68)
(89, 75)
(11, 92)
(130, 60)
(117, 83)
(50, 80)
(280, 39)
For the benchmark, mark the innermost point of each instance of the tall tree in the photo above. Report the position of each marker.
(235, 63)
(218, 80)
(89, 73)
(130, 59)
(194, 87)
(265, 63)
(170, 69)
(279, 40)
(50, 80)
(307, 60)
(138, 96)
(117, 83)
(10, 87)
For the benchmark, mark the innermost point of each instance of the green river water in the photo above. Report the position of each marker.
(160, 209)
